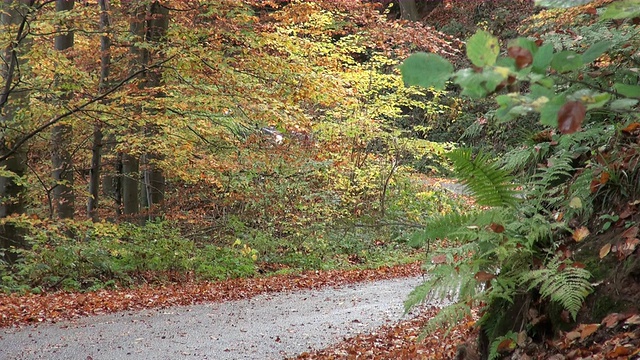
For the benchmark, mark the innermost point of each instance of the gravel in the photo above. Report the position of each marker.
(265, 327)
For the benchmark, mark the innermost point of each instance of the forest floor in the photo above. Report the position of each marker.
(264, 318)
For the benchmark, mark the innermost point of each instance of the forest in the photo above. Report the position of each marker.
(491, 146)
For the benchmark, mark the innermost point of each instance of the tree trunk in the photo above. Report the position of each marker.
(96, 149)
(61, 135)
(130, 181)
(409, 10)
(13, 18)
(153, 176)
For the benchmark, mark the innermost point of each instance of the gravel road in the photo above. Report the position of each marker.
(264, 327)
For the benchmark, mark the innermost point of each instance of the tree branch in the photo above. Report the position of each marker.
(78, 108)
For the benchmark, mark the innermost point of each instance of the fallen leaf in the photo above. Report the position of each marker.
(506, 345)
(630, 233)
(570, 117)
(627, 247)
(482, 276)
(587, 329)
(496, 228)
(610, 320)
(580, 233)
(633, 320)
(579, 265)
(604, 251)
(572, 335)
(439, 259)
(631, 127)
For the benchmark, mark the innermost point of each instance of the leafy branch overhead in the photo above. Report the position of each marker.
(554, 80)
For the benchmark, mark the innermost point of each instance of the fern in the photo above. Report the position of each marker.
(562, 283)
(448, 317)
(489, 184)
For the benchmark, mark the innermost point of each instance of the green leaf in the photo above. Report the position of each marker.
(542, 58)
(566, 61)
(426, 70)
(483, 49)
(623, 104)
(479, 84)
(622, 10)
(525, 44)
(549, 111)
(631, 91)
(596, 50)
(561, 3)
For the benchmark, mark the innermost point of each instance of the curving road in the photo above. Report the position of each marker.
(264, 327)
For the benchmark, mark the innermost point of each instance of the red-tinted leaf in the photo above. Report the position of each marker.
(496, 228)
(439, 259)
(631, 127)
(522, 56)
(630, 233)
(570, 117)
(578, 265)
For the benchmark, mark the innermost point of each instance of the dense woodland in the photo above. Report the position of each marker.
(156, 142)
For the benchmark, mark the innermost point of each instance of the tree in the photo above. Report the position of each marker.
(13, 100)
(414, 10)
(61, 134)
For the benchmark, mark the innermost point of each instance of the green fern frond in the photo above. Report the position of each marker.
(493, 349)
(565, 284)
(489, 184)
(518, 159)
(448, 316)
(440, 227)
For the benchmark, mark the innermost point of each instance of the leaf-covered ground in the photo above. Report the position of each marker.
(51, 307)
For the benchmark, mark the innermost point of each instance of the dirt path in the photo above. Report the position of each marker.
(269, 326)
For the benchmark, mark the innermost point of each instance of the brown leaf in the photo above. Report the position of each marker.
(627, 247)
(578, 265)
(633, 320)
(610, 320)
(604, 251)
(496, 228)
(570, 117)
(587, 329)
(580, 233)
(482, 276)
(572, 335)
(522, 56)
(439, 259)
(630, 233)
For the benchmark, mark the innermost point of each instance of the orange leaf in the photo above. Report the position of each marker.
(570, 117)
(580, 233)
(604, 251)
(631, 127)
(610, 320)
(572, 335)
(588, 329)
(506, 345)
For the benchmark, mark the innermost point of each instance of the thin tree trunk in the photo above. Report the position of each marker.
(130, 181)
(61, 135)
(96, 149)
(13, 17)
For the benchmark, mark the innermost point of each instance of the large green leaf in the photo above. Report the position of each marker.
(549, 111)
(426, 70)
(595, 50)
(566, 61)
(483, 49)
(478, 84)
(561, 3)
(632, 91)
(542, 58)
(622, 10)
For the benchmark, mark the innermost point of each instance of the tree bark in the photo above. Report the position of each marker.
(153, 176)
(96, 149)
(409, 10)
(61, 136)
(13, 18)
